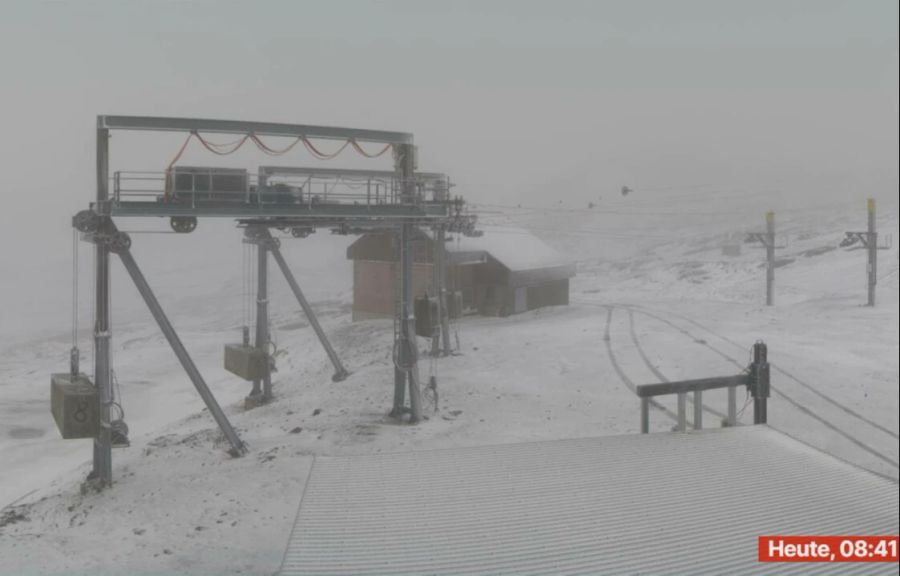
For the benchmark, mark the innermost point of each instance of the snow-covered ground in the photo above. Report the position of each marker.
(654, 297)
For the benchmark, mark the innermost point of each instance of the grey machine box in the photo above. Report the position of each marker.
(247, 362)
(74, 404)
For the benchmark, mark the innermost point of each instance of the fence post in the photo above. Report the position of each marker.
(682, 409)
(698, 409)
(732, 406)
(645, 415)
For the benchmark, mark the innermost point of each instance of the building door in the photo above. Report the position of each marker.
(521, 299)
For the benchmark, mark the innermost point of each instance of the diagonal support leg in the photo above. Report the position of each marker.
(122, 248)
(340, 372)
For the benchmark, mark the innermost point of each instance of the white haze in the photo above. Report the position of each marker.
(775, 104)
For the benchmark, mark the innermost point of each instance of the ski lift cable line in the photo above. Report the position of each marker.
(501, 229)
(620, 203)
(577, 233)
(599, 209)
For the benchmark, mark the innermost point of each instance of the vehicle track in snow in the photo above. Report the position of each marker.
(836, 403)
(618, 368)
(629, 383)
(775, 390)
(655, 370)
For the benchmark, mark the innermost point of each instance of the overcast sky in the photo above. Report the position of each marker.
(517, 101)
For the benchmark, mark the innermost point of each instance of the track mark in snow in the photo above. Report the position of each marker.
(615, 364)
(815, 416)
(806, 385)
(655, 370)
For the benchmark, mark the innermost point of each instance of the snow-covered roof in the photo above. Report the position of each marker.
(516, 248)
(529, 260)
(674, 503)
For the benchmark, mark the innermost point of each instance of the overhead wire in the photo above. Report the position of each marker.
(359, 149)
(523, 210)
(271, 151)
(225, 148)
(505, 215)
(321, 155)
(500, 229)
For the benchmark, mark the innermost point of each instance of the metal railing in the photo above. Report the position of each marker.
(146, 186)
(756, 379)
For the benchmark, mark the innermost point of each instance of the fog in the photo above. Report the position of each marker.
(520, 102)
(619, 157)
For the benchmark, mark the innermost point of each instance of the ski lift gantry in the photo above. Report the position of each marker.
(415, 200)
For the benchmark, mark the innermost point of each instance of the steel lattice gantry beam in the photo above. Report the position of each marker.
(166, 124)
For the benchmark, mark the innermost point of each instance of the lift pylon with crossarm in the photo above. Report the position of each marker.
(767, 239)
(869, 241)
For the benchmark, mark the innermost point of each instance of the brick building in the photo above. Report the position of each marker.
(505, 271)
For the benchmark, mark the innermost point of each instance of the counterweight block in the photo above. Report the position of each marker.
(248, 362)
(75, 406)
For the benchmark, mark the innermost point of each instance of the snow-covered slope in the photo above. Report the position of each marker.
(656, 298)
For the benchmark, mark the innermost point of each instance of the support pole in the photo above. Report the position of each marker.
(237, 446)
(399, 375)
(698, 409)
(102, 462)
(872, 248)
(406, 369)
(442, 296)
(439, 279)
(436, 292)
(645, 415)
(732, 406)
(759, 388)
(340, 372)
(770, 258)
(262, 321)
(682, 411)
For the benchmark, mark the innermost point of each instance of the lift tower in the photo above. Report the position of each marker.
(258, 208)
(406, 369)
(869, 240)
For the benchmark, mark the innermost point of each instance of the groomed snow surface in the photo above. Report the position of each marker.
(611, 505)
(668, 306)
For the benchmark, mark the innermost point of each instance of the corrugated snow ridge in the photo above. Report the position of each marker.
(686, 503)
